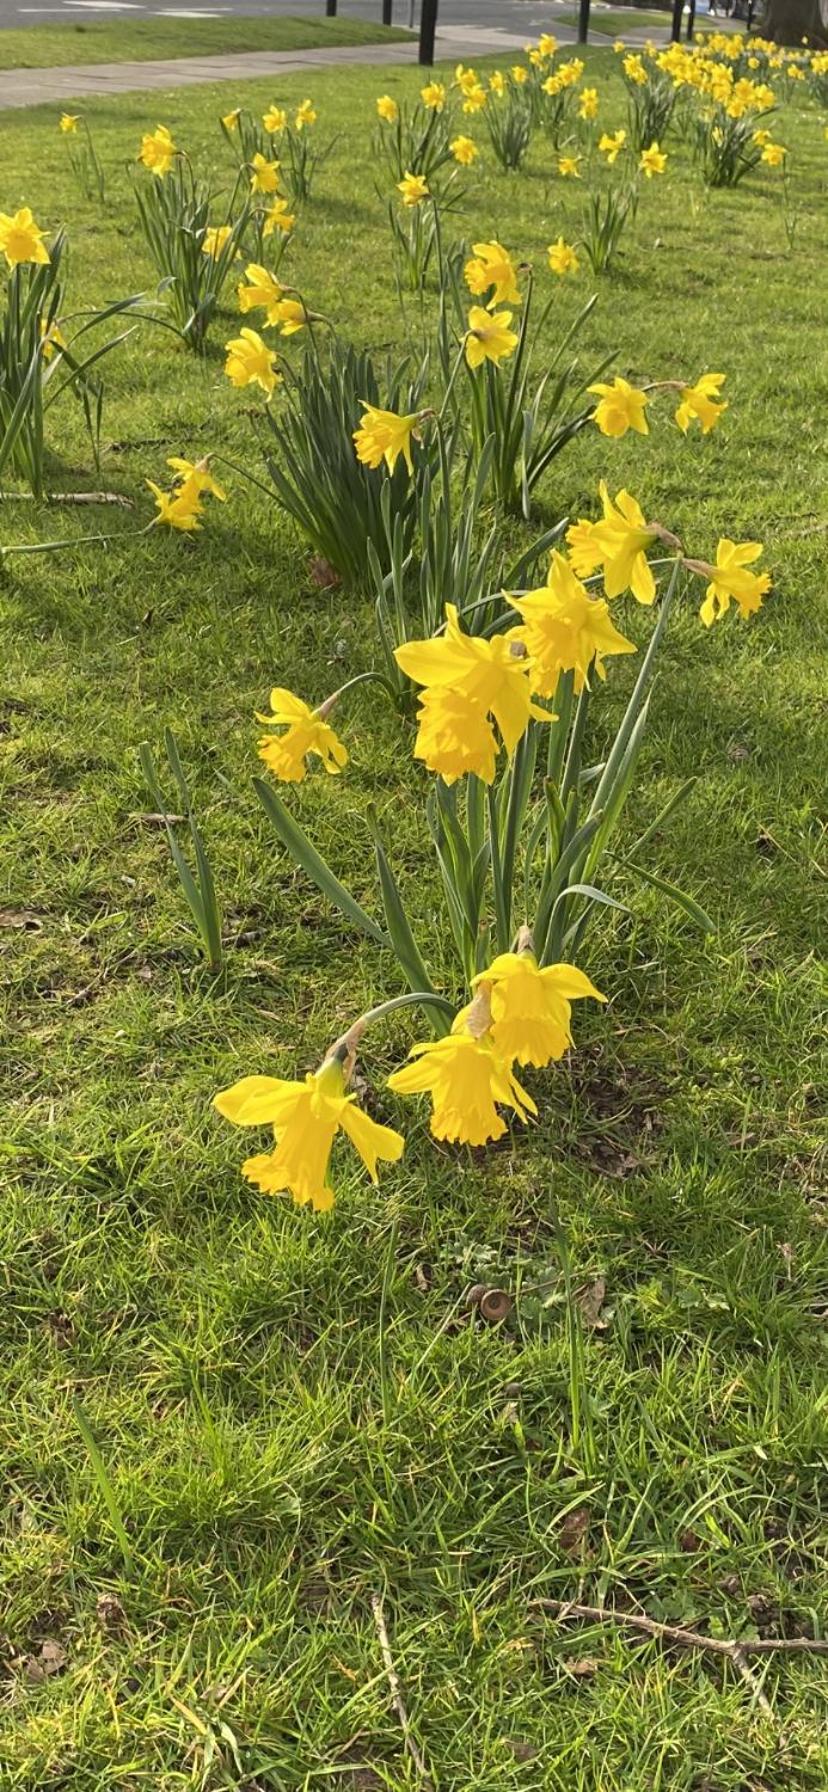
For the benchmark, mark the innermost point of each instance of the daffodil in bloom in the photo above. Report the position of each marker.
(157, 151)
(570, 167)
(774, 154)
(620, 407)
(305, 115)
(634, 70)
(531, 1007)
(464, 150)
(652, 161)
(699, 403)
(21, 239)
(262, 293)
(414, 189)
(264, 175)
(731, 579)
(69, 122)
(520, 75)
(618, 544)
(474, 98)
(547, 45)
(455, 736)
(307, 734)
(230, 119)
(760, 138)
(588, 103)
(433, 95)
(465, 78)
(52, 339)
(387, 109)
(250, 361)
(292, 315)
(277, 217)
(178, 509)
(497, 84)
(194, 479)
(610, 144)
(214, 240)
(570, 73)
(459, 670)
(274, 119)
(492, 267)
(467, 1079)
(565, 630)
(489, 336)
(305, 1118)
(384, 436)
(562, 257)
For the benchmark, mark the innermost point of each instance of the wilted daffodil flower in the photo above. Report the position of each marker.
(618, 544)
(250, 361)
(467, 1078)
(21, 239)
(562, 258)
(531, 1007)
(464, 150)
(698, 403)
(307, 733)
(384, 436)
(620, 407)
(492, 267)
(467, 679)
(489, 337)
(306, 1118)
(652, 161)
(157, 151)
(731, 580)
(565, 630)
(387, 109)
(214, 240)
(414, 188)
(264, 175)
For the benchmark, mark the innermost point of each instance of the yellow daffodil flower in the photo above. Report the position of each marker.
(697, 403)
(69, 122)
(492, 267)
(231, 119)
(305, 1118)
(774, 154)
(264, 175)
(21, 239)
(463, 674)
(635, 71)
(652, 161)
(455, 736)
(730, 579)
(384, 436)
(387, 109)
(194, 479)
(497, 84)
(489, 337)
(610, 144)
(292, 315)
(588, 103)
(263, 292)
(532, 1008)
(570, 167)
(305, 115)
(274, 119)
(214, 240)
(277, 217)
(520, 75)
(565, 630)
(157, 151)
(466, 1077)
(178, 509)
(250, 361)
(414, 188)
(620, 407)
(464, 150)
(433, 95)
(474, 98)
(760, 138)
(618, 545)
(569, 73)
(562, 258)
(307, 734)
(52, 339)
(547, 44)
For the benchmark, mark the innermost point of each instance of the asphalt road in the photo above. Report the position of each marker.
(526, 17)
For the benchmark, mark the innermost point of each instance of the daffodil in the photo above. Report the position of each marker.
(178, 509)
(562, 257)
(264, 174)
(565, 630)
(618, 544)
(531, 1007)
(250, 361)
(570, 167)
(194, 479)
(69, 122)
(698, 403)
(305, 115)
(157, 151)
(214, 240)
(611, 144)
(307, 733)
(588, 103)
(492, 268)
(433, 95)
(292, 315)
(731, 579)
(467, 1079)
(384, 436)
(474, 98)
(635, 71)
(520, 75)
(21, 239)
(620, 407)
(490, 676)
(774, 154)
(277, 217)
(464, 150)
(497, 84)
(305, 1118)
(454, 736)
(652, 161)
(52, 339)
(274, 119)
(387, 109)
(489, 337)
(570, 72)
(414, 188)
(760, 138)
(547, 45)
(230, 119)
(262, 293)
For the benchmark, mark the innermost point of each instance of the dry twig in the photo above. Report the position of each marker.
(397, 1700)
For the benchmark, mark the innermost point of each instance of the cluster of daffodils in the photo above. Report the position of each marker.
(182, 507)
(249, 359)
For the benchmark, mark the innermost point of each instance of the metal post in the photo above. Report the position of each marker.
(386, 11)
(749, 18)
(330, 9)
(583, 21)
(428, 27)
(691, 19)
(678, 8)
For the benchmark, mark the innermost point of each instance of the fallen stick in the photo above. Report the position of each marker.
(397, 1700)
(70, 498)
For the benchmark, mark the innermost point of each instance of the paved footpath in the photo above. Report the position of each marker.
(57, 86)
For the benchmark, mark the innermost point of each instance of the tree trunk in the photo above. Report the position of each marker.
(789, 21)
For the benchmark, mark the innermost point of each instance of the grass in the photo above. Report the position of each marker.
(144, 40)
(287, 1416)
(620, 23)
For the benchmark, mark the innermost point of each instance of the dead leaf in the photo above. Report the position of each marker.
(590, 1300)
(24, 919)
(423, 1277)
(522, 1751)
(110, 1613)
(50, 1660)
(572, 1531)
(322, 573)
(584, 1667)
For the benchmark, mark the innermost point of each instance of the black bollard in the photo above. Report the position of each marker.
(691, 20)
(678, 8)
(583, 21)
(386, 11)
(428, 27)
(330, 9)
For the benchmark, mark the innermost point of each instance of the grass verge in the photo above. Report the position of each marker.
(148, 40)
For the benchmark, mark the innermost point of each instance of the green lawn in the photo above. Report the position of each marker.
(620, 23)
(144, 40)
(296, 1414)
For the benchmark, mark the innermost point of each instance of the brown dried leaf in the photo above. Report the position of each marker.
(23, 919)
(573, 1530)
(50, 1660)
(322, 573)
(590, 1300)
(110, 1613)
(584, 1667)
